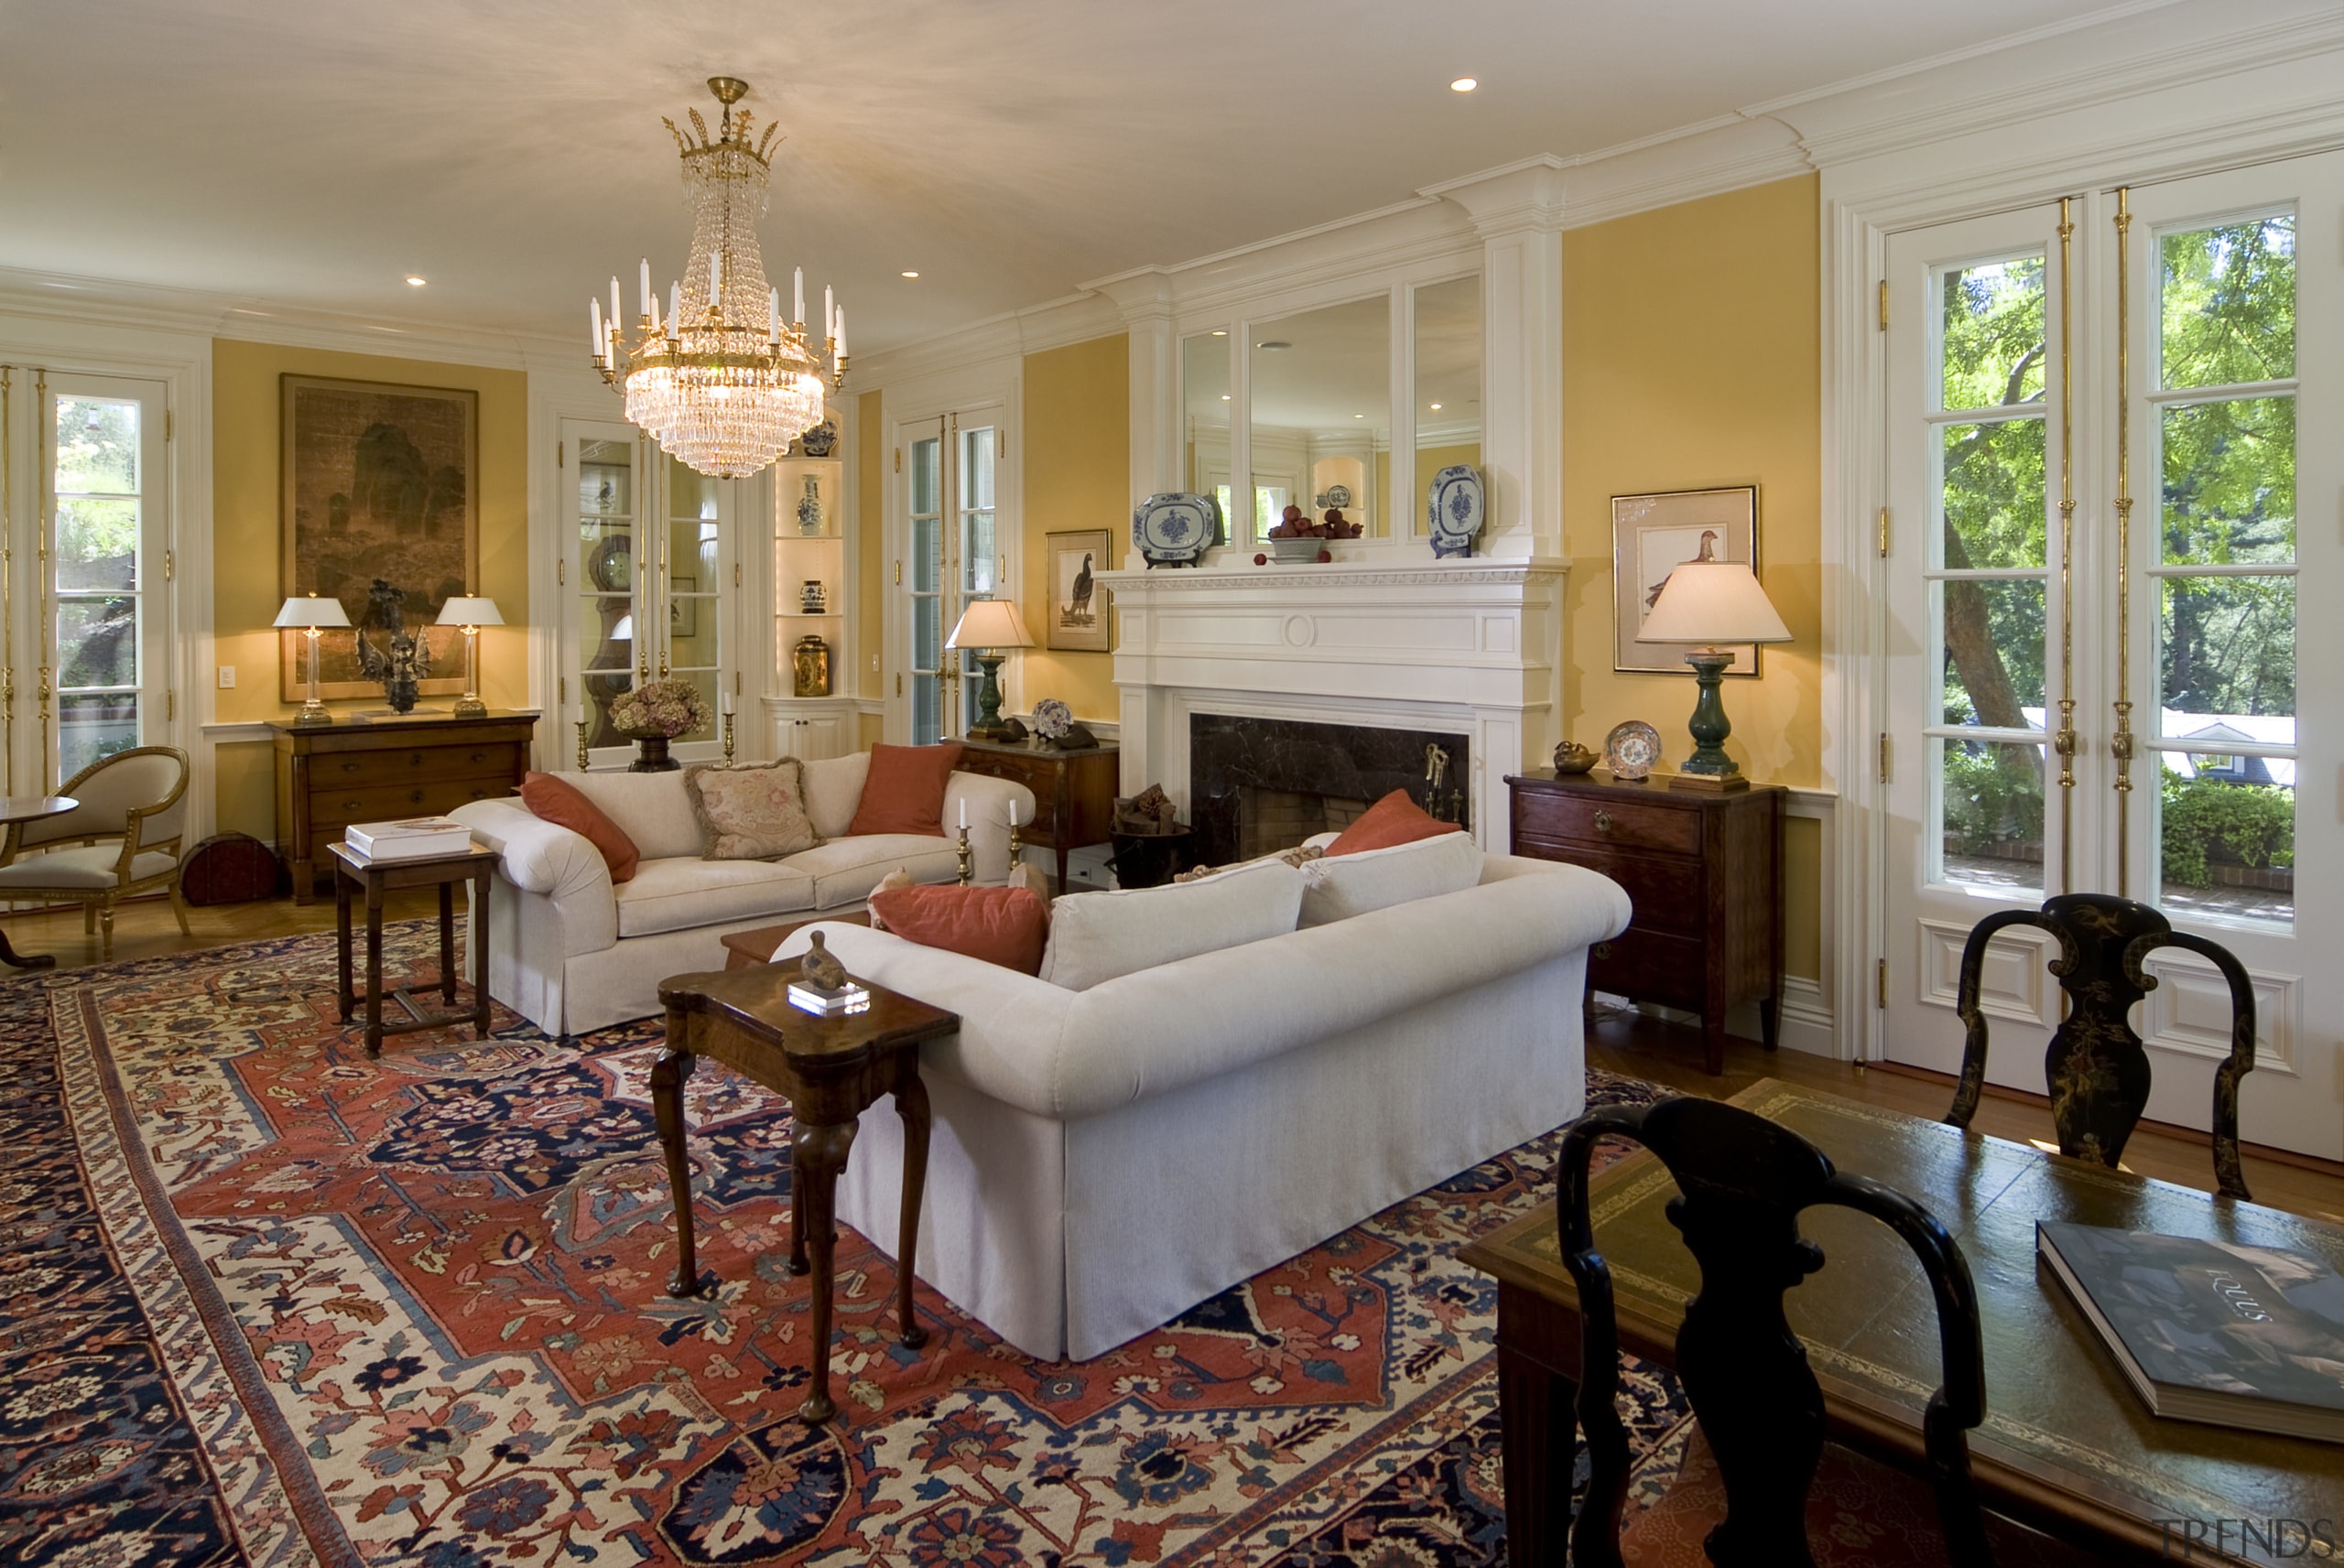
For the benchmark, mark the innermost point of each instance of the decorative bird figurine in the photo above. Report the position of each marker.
(821, 970)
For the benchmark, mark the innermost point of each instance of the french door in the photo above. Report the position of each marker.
(2093, 578)
(85, 633)
(954, 552)
(648, 586)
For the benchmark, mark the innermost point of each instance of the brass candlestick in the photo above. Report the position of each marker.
(728, 736)
(581, 745)
(1016, 842)
(968, 858)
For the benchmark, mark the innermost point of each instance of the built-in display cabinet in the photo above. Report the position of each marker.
(808, 708)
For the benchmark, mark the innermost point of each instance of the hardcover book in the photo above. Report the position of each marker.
(412, 839)
(2211, 1331)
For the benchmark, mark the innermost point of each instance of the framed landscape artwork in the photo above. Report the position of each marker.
(382, 486)
(1079, 606)
(1651, 534)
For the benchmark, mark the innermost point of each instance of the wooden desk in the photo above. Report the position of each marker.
(331, 775)
(376, 878)
(833, 1070)
(2067, 1447)
(1705, 871)
(1074, 791)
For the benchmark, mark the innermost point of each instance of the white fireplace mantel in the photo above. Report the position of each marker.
(1468, 647)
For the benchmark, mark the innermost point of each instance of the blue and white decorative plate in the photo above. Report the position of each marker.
(1453, 509)
(1052, 718)
(1176, 527)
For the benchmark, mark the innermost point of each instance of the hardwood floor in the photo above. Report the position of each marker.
(1621, 1041)
(1640, 1046)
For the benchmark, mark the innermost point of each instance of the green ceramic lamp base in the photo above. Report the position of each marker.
(1708, 767)
(988, 726)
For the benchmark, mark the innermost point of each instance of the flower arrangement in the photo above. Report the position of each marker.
(665, 707)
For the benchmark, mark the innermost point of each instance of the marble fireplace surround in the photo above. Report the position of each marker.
(1467, 648)
(1229, 754)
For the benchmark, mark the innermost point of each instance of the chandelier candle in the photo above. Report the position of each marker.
(720, 388)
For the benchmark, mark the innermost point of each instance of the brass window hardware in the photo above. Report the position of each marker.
(560, 454)
(561, 572)
(1884, 533)
(899, 572)
(1882, 973)
(899, 682)
(736, 574)
(166, 425)
(1883, 305)
(899, 460)
(1883, 756)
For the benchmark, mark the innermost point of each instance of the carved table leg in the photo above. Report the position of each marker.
(1539, 1425)
(345, 996)
(911, 1104)
(668, 1076)
(373, 966)
(447, 943)
(817, 1156)
(481, 1018)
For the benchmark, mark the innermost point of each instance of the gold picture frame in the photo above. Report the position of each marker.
(380, 482)
(1078, 613)
(1651, 534)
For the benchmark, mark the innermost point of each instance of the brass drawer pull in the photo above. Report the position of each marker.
(350, 806)
(351, 766)
(416, 795)
(1603, 949)
(1604, 822)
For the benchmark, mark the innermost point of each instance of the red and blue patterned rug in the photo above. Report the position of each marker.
(266, 1303)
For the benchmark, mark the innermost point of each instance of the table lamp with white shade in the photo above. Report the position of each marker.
(988, 628)
(471, 614)
(308, 613)
(1711, 602)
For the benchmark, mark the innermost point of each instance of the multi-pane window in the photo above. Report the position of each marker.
(1989, 571)
(99, 485)
(2224, 396)
(605, 580)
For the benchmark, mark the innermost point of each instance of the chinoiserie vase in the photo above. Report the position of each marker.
(651, 755)
(810, 506)
(810, 665)
(813, 598)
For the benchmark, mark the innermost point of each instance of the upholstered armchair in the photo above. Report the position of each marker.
(138, 798)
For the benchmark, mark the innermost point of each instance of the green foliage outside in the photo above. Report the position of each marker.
(1992, 795)
(97, 456)
(2254, 823)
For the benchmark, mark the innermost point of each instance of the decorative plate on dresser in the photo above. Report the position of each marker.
(1631, 750)
(1176, 527)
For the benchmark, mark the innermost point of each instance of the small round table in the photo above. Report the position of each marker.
(30, 808)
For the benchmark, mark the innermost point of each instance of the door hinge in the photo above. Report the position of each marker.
(560, 572)
(561, 688)
(736, 574)
(170, 566)
(899, 572)
(1883, 305)
(1882, 973)
(1883, 756)
(561, 454)
(171, 706)
(899, 682)
(899, 460)
(1004, 444)
(736, 683)
(167, 423)
(1884, 533)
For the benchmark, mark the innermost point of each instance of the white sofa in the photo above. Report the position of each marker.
(570, 951)
(1104, 1158)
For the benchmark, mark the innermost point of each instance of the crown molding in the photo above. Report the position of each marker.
(1054, 324)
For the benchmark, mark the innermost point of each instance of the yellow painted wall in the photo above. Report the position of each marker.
(1077, 475)
(870, 547)
(246, 489)
(1692, 359)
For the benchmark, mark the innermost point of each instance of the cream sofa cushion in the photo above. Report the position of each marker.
(1336, 887)
(91, 866)
(844, 871)
(683, 891)
(1096, 936)
(833, 789)
(653, 809)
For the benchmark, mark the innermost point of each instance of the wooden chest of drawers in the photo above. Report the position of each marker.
(1074, 791)
(331, 775)
(1703, 869)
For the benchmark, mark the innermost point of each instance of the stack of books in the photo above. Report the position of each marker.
(414, 838)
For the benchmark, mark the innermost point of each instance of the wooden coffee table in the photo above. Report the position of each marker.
(832, 1070)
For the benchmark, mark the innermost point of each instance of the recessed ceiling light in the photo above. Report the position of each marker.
(1220, 332)
(1274, 344)
(1359, 416)
(1224, 397)
(911, 275)
(414, 282)
(1463, 84)
(1436, 407)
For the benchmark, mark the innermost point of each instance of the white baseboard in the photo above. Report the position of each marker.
(1805, 1019)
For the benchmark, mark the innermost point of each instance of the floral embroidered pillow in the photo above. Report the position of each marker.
(751, 814)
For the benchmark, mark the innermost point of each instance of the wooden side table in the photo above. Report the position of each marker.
(1703, 869)
(376, 878)
(1074, 791)
(832, 1070)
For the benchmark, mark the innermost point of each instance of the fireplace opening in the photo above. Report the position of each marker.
(1258, 785)
(1269, 820)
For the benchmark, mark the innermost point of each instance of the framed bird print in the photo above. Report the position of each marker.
(1651, 534)
(1079, 603)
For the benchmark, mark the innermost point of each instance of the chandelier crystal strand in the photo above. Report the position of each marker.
(722, 383)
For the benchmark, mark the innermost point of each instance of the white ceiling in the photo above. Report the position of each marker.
(313, 154)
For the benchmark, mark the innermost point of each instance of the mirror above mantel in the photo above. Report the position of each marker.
(1319, 414)
(1448, 405)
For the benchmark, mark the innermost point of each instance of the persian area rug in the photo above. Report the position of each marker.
(268, 1302)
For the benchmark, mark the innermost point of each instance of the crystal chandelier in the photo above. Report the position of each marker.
(721, 381)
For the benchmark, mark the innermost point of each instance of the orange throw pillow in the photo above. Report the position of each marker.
(553, 801)
(1389, 823)
(1009, 926)
(904, 792)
